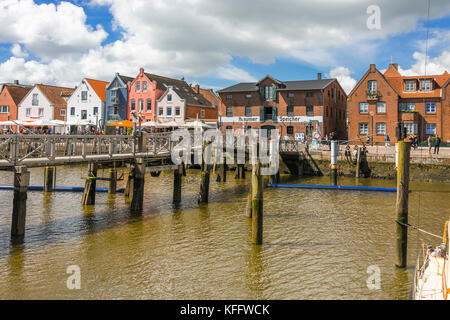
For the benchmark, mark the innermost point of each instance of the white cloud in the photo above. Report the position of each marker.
(195, 38)
(343, 75)
(17, 51)
(434, 66)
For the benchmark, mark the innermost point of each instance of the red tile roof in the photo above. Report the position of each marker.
(17, 93)
(55, 95)
(99, 88)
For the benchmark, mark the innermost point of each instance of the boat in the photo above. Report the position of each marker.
(432, 273)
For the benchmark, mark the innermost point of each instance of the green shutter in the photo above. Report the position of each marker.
(261, 114)
(274, 114)
(261, 93)
(274, 93)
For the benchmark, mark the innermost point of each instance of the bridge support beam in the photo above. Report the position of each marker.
(90, 185)
(204, 184)
(21, 182)
(130, 182)
(112, 187)
(240, 171)
(49, 179)
(177, 182)
(137, 202)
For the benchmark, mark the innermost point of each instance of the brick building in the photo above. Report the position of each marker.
(380, 101)
(297, 109)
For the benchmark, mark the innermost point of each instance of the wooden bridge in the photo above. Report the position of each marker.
(143, 153)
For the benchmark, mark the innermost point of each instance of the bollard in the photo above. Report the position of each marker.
(21, 182)
(137, 202)
(257, 205)
(49, 179)
(177, 182)
(112, 186)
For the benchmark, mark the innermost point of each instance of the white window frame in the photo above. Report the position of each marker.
(229, 114)
(62, 112)
(177, 111)
(202, 113)
(248, 96)
(41, 112)
(411, 128)
(28, 112)
(408, 85)
(428, 128)
(428, 108)
(4, 109)
(372, 85)
(426, 87)
(229, 96)
(144, 86)
(363, 128)
(381, 104)
(138, 86)
(169, 111)
(380, 128)
(35, 99)
(365, 104)
(160, 111)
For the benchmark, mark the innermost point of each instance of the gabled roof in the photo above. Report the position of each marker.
(270, 78)
(125, 79)
(209, 95)
(191, 97)
(18, 93)
(99, 87)
(55, 94)
(365, 76)
(287, 85)
(163, 82)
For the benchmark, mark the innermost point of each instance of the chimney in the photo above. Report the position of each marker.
(373, 67)
(16, 81)
(197, 88)
(141, 70)
(395, 65)
(319, 76)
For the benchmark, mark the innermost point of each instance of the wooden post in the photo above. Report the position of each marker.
(21, 182)
(204, 185)
(49, 179)
(248, 211)
(358, 162)
(90, 185)
(113, 181)
(177, 182)
(274, 179)
(137, 202)
(257, 205)
(402, 202)
(130, 182)
(240, 171)
(222, 173)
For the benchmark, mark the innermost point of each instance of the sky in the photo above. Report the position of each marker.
(217, 43)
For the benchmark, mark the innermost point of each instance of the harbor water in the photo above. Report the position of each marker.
(318, 244)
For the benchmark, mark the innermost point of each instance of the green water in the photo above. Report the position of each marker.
(317, 244)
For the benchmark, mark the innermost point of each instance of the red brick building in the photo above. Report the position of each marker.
(297, 109)
(380, 101)
(10, 96)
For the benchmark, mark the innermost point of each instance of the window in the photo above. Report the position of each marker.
(177, 111)
(406, 106)
(144, 86)
(113, 95)
(426, 85)
(83, 114)
(431, 128)
(4, 109)
(83, 95)
(229, 112)
(310, 94)
(138, 86)
(41, 112)
(290, 111)
(411, 128)
(269, 93)
(202, 113)
(363, 107)
(62, 112)
(410, 85)
(35, 101)
(290, 130)
(229, 96)
(95, 111)
(169, 111)
(140, 105)
(310, 111)
(248, 111)
(229, 127)
(363, 128)
(430, 107)
(381, 128)
(28, 112)
(149, 105)
(290, 95)
(169, 97)
(248, 96)
(160, 111)
(381, 107)
(372, 86)
(133, 105)
(72, 111)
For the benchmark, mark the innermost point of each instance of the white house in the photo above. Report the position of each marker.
(87, 105)
(44, 102)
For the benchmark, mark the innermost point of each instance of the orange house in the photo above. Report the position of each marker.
(10, 96)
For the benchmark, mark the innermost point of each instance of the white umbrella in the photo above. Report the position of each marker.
(57, 123)
(10, 123)
(149, 124)
(38, 123)
(169, 124)
(196, 124)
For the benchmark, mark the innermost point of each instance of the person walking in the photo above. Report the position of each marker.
(348, 155)
(430, 142)
(387, 140)
(437, 142)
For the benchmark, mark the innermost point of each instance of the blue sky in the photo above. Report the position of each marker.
(217, 42)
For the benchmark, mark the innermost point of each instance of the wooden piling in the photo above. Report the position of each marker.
(49, 179)
(204, 184)
(130, 182)
(137, 202)
(177, 182)
(222, 172)
(21, 182)
(240, 171)
(90, 185)
(112, 187)
(402, 202)
(358, 162)
(257, 205)
(248, 211)
(274, 179)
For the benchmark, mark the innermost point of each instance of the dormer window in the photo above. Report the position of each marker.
(372, 86)
(169, 97)
(268, 93)
(426, 85)
(410, 85)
